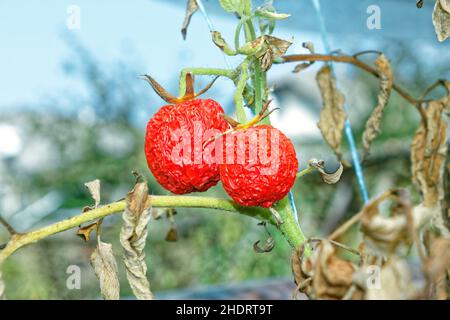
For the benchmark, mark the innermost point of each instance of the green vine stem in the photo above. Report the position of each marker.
(250, 35)
(290, 228)
(18, 240)
(228, 73)
(238, 95)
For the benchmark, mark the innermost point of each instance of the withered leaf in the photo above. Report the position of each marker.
(395, 282)
(437, 266)
(332, 275)
(327, 177)
(429, 152)
(191, 8)
(105, 268)
(384, 234)
(301, 66)
(132, 238)
(333, 116)
(373, 123)
(275, 48)
(266, 49)
(94, 189)
(302, 270)
(323, 275)
(85, 232)
(279, 46)
(172, 235)
(441, 19)
(268, 246)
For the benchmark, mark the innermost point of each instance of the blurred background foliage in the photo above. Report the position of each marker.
(68, 138)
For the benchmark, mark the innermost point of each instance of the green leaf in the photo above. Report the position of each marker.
(271, 15)
(246, 7)
(242, 7)
(230, 5)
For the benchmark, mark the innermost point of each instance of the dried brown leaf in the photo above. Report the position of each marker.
(332, 116)
(278, 46)
(324, 275)
(395, 282)
(191, 8)
(373, 123)
(302, 270)
(85, 232)
(266, 48)
(301, 67)
(105, 267)
(384, 234)
(332, 275)
(428, 154)
(437, 266)
(94, 189)
(327, 177)
(172, 235)
(441, 19)
(275, 48)
(133, 237)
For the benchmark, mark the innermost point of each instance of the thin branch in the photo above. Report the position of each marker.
(19, 240)
(7, 226)
(438, 83)
(345, 226)
(354, 61)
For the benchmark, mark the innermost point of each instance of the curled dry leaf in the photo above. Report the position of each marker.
(332, 116)
(266, 49)
(172, 235)
(441, 19)
(191, 8)
(105, 267)
(327, 177)
(384, 234)
(437, 266)
(324, 275)
(302, 270)
(85, 232)
(373, 123)
(94, 189)
(395, 282)
(429, 152)
(275, 48)
(268, 246)
(132, 238)
(304, 65)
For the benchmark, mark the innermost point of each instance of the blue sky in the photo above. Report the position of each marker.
(146, 32)
(33, 47)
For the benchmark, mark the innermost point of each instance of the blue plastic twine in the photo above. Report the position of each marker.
(347, 129)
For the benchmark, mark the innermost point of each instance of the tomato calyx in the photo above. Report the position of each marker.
(188, 95)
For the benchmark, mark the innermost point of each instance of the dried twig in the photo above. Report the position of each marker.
(7, 226)
(356, 62)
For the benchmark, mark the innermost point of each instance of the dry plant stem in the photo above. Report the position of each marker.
(345, 226)
(354, 61)
(7, 226)
(19, 240)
